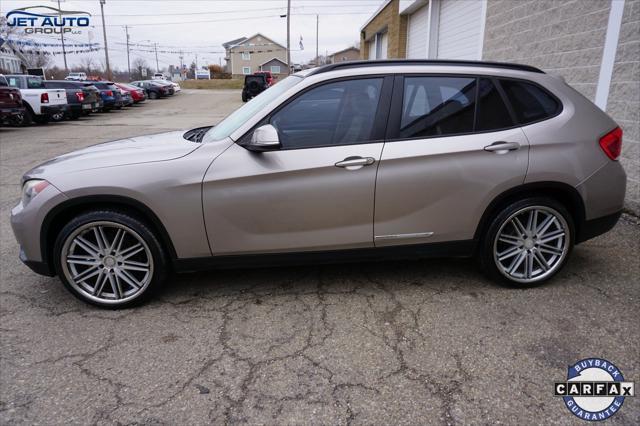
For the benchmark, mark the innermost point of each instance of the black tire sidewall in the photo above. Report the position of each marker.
(485, 254)
(159, 257)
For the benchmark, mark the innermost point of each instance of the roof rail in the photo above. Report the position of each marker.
(387, 62)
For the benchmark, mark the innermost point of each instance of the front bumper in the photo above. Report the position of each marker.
(28, 223)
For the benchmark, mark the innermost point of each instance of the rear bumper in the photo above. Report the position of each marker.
(54, 109)
(12, 111)
(598, 226)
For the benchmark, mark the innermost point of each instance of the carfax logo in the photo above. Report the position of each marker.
(47, 20)
(595, 389)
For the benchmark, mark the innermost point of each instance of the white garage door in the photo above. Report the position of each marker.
(417, 31)
(459, 29)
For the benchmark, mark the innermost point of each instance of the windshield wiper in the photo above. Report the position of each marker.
(196, 135)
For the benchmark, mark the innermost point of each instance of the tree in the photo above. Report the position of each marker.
(137, 66)
(88, 65)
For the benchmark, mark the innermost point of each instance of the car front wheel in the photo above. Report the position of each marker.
(109, 259)
(527, 242)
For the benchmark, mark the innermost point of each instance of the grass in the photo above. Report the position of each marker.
(212, 84)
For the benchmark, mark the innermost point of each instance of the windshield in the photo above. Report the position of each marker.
(248, 110)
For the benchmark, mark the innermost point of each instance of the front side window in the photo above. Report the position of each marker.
(338, 113)
(14, 82)
(530, 102)
(492, 112)
(246, 70)
(437, 106)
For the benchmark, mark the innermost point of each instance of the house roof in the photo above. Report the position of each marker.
(382, 6)
(233, 42)
(274, 59)
(254, 36)
(345, 50)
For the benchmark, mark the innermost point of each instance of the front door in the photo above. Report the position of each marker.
(317, 191)
(454, 147)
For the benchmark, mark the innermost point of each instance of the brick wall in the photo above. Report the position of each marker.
(396, 27)
(624, 98)
(566, 37)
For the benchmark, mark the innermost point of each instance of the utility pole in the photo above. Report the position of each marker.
(288, 35)
(104, 33)
(317, 26)
(126, 30)
(64, 51)
(155, 45)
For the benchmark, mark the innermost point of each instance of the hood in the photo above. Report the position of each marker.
(142, 149)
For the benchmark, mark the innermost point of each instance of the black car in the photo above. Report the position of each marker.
(153, 89)
(81, 97)
(254, 84)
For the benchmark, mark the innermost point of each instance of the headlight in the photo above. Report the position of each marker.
(31, 188)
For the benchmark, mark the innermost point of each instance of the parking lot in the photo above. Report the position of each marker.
(403, 342)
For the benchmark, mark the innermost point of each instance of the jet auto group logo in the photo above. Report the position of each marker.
(595, 389)
(48, 20)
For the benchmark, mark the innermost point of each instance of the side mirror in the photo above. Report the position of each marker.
(264, 138)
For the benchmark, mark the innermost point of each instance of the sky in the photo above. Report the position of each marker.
(200, 27)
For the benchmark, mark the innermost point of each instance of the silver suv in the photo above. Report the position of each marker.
(377, 159)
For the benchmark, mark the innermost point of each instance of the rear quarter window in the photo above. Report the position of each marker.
(530, 102)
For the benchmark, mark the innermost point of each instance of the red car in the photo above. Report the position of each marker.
(137, 94)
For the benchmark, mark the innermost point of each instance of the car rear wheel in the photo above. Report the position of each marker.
(109, 259)
(527, 242)
(153, 95)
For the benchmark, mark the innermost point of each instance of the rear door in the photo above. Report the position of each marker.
(452, 147)
(317, 191)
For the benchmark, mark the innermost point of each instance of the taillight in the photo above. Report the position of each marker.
(109, 92)
(44, 98)
(611, 143)
(80, 96)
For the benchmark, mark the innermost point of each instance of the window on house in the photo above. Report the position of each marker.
(434, 106)
(246, 56)
(275, 69)
(246, 70)
(530, 102)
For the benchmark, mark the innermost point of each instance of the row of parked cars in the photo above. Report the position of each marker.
(27, 99)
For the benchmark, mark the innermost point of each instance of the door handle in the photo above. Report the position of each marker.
(354, 163)
(502, 147)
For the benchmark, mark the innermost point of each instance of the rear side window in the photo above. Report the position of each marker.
(530, 102)
(436, 106)
(492, 111)
(34, 83)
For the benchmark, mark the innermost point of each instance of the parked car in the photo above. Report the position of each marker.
(268, 76)
(153, 89)
(11, 108)
(79, 97)
(41, 103)
(167, 84)
(353, 160)
(254, 84)
(110, 94)
(78, 76)
(137, 94)
(158, 76)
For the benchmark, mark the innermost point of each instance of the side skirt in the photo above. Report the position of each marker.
(464, 248)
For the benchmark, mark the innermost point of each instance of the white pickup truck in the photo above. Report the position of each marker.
(41, 103)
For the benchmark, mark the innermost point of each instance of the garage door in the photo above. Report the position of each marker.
(459, 29)
(417, 31)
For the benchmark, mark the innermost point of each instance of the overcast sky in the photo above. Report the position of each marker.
(202, 26)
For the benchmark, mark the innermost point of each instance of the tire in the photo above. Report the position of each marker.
(153, 95)
(27, 117)
(244, 97)
(107, 275)
(516, 253)
(58, 116)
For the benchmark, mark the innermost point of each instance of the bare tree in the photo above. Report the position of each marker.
(137, 66)
(37, 59)
(87, 64)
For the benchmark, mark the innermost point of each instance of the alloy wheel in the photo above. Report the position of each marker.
(107, 262)
(531, 244)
